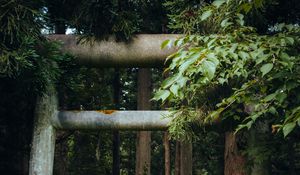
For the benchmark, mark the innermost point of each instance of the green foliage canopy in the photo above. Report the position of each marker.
(234, 72)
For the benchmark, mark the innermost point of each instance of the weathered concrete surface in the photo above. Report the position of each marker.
(118, 120)
(143, 51)
(43, 143)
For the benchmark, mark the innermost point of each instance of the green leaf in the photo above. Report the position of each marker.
(209, 66)
(243, 55)
(257, 53)
(287, 128)
(215, 115)
(174, 89)
(179, 42)
(211, 42)
(240, 127)
(165, 43)
(270, 97)
(182, 81)
(218, 3)
(189, 61)
(212, 57)
(233, 47)
(281, 97)
(290, 40)
(272, 110)
(241, 19)
(246, 7)
(291, 85)
(266, 68)
(161, 94)
(262, 57)
(209, 69)
(254, 117)
(169, 81)
(249, 124)
(205, 15)
(258, 3)
(222, 80)
(224, 22)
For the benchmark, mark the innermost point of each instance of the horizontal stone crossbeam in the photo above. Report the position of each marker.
(114, 120)
(142, 51)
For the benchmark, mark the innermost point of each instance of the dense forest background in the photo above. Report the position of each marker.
(28, 62)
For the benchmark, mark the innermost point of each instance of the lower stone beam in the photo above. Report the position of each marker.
(108, 119)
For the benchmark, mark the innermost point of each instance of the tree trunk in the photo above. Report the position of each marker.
(116, 134)
(143, 152)
(60, 27)
(116, 153)
(292, 157)
(129, 164)
(186, 158)
(296, 155)
(257, 140)
(234, 162)
(177, 158)
(61, 151)
(167, 154)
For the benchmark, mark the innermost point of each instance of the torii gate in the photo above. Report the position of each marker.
(143, 51)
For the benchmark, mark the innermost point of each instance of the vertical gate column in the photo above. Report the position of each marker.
(43, 143)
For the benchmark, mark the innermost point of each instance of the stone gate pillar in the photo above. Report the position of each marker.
(43, 143)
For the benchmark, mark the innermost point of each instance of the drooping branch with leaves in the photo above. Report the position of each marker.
(234, 72)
